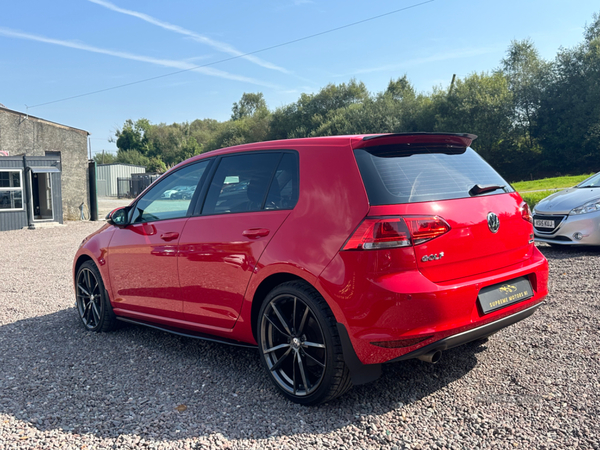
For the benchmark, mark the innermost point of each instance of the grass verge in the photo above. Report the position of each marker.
(549, 183)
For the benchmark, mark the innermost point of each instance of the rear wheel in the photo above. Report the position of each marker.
(93, 306)
(299, 345)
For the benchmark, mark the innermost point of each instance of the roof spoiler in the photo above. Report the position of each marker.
(449, 139)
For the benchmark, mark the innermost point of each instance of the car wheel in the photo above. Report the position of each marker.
(299, 345)
(93, 306)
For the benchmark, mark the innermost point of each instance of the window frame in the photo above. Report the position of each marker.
(20, 188)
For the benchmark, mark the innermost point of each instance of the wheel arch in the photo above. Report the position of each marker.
(81, 259)
(79, 262)
(263, 289)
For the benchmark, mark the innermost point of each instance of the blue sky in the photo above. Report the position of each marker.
(53, 50)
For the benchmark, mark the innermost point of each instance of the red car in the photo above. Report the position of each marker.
(334, 256)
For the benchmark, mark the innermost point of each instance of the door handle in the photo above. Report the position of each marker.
(169, 236)
(255, 233)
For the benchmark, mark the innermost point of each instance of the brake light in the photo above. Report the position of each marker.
(393, 232)
(526, 212)
(423, 229)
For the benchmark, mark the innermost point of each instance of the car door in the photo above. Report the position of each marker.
(248, 199)
(143, 255)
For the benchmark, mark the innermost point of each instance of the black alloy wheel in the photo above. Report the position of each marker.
(299, 345)
(92, 302)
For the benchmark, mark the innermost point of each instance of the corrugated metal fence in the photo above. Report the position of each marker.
(107, 176)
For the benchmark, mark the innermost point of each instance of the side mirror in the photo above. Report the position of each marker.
(118, 217)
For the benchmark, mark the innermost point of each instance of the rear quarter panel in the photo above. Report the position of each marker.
(331, 204)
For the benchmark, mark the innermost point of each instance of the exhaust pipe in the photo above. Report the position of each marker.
(431, 357)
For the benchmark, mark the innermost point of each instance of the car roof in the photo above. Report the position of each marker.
(355, 141)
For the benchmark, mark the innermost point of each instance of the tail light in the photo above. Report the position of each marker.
(393, 232)
(526, 213)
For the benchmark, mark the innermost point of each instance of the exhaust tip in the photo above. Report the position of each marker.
(431, 357)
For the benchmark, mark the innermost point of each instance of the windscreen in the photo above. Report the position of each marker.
(593, 181)
(404, 174)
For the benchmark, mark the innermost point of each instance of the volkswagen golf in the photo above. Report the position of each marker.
(332, 256)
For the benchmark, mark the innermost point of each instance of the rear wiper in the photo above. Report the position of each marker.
(479, 189)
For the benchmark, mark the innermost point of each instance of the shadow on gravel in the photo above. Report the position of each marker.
(143, 382)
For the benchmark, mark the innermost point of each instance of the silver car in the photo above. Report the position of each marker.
(570, 217)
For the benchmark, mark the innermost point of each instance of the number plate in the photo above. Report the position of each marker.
(543, 223)
(500, 295)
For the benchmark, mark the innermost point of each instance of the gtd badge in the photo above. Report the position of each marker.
(493, 222)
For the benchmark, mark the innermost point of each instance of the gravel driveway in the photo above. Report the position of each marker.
(534, 385)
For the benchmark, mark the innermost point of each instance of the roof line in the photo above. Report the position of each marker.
(49, 122)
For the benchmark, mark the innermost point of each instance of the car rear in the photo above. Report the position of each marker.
(445, 255)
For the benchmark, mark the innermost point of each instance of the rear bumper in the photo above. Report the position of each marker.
(405, 315)
(470, 335)
(365, 373)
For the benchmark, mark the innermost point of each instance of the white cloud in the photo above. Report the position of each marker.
(221, 46)
(182, 65)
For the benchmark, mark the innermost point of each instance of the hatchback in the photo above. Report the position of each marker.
(334, 256)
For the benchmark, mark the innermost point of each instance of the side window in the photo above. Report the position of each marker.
(283, 193)
(170, 198)
(11, 189)
(241, 183)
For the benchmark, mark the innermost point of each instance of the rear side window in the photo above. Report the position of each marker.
(403, 174)
(283, 193)
(253, 182)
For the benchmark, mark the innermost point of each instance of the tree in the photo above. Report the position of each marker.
(156, 165)
(311, 111)
(527, 77)
(480, 104)
(131, 157)
(105, 158)
(569, 119)
(248, 105)
(133, 136)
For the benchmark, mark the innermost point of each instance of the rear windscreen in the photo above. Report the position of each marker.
(401, 174)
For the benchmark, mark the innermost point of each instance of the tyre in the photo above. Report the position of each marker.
(299, 345)
(93, 305)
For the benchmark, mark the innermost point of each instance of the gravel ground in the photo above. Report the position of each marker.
(107, 204)
(534, 385)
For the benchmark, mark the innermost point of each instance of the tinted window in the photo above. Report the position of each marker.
(283, 193)
(170, 198)
(400, 175)
(241, 183)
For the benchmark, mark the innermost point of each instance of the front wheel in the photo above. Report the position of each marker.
(299, 345)
(93, 306)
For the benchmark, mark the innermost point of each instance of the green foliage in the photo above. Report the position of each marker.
(156, 165)
(248, 105)
(105, 158)
(133, 136)
(131, 157)
(569, 115)
(312, 111)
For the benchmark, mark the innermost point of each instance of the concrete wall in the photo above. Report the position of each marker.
(33, 136)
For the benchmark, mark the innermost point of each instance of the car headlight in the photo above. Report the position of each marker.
(588, 207)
